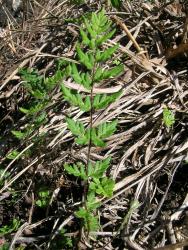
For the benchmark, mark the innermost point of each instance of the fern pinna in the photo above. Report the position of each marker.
(90, 73)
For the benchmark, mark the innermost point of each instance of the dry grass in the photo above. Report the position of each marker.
(148, 158)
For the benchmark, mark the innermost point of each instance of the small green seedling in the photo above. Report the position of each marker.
(116, 3)
(7, 229)
(39, 91)
(62, 241)
(5, 246)
(3, 176)
(12, 155)
(44, 198)
(168, 117)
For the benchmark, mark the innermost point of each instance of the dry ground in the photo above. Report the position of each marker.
(149, 160)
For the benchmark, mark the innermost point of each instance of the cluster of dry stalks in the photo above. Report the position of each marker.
(148, 158)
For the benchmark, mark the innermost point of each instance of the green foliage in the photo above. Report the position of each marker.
(116, 62)
(103, 186)
(75, 127)
(61, 241)
(98, 169)
(90, 221)
(20, 247)
(94, 170)
(33, 82)
(76, 99)
(4, 177)
(101, 74)
(12, 155)
(37, 85)
(113, 72)
(5, 246)
(168, 117)
(7, 229)
(95, 134)
(66, 241)
(34, 109)
(116, 3)
(103, 56)
(86, 59)
(18, 134)
(91, 71)
(133, 206)
(77, 170)
(106, 129)
(43, 198)
(102, 101)
(94, 33)
(40, 119)
(39, 90)
(80, 78)
(21, 135)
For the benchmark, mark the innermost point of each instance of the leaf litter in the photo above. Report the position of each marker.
(149, 151)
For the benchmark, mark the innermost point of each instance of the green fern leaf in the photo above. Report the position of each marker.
(79, 100)
(107, 187)
(84, 58)
(38, 94)
(40, 119)
(72, 170)
(76, 127)
(76, 99)
(93, 223)
(90, 221)
(98, 74)
(96, 101)
(105, 55)
(82, 140)
(76, 170)
(96, 139)
(92, 204)
(69, 95)
(37, 108)
(13, 154)
(86, 80)
(168, 117)
(87, 104)
(85, 38)
(105, 129)
(81, 213)
(105, 37)
(25, 111)
(92, 33)
(101, 101)
(50, 82)
(75, 74)
(115, 71)
(97, 170)
(103, 187)
(104, 22)
(95, 22)
(116, 3)
(18, 134)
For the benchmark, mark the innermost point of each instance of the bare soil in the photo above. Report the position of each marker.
(150, 160)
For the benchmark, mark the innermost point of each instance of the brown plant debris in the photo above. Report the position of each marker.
(149, 159)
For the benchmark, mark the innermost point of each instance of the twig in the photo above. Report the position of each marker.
(130, 36)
